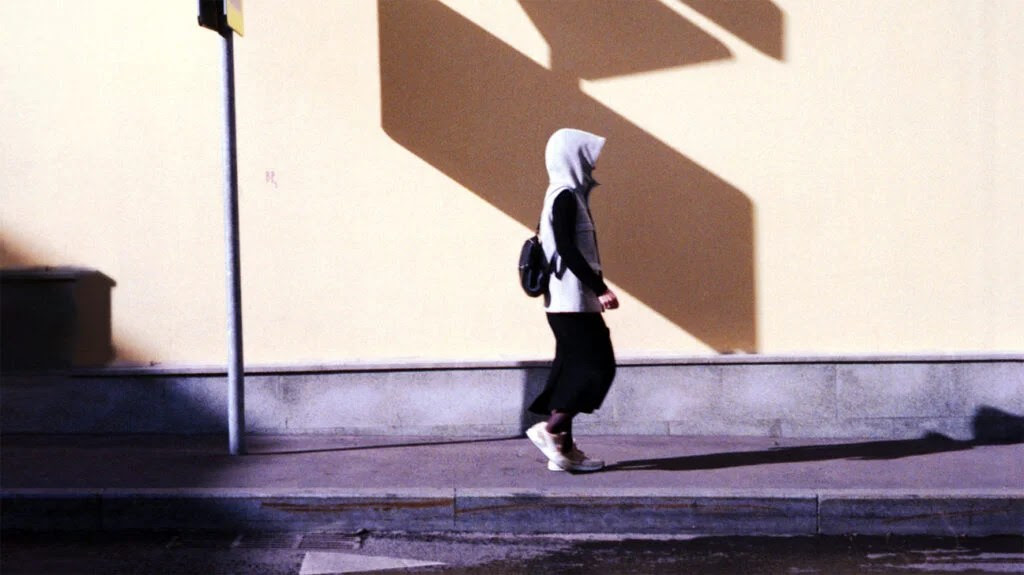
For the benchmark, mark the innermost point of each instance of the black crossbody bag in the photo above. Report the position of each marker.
(533, 266)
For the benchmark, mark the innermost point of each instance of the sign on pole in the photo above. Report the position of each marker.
(222, 15)
(234, 15)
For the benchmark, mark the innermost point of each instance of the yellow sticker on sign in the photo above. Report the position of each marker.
(234, 12)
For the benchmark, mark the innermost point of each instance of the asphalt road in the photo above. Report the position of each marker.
(211, 553)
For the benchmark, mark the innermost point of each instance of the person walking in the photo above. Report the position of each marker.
(584, 364)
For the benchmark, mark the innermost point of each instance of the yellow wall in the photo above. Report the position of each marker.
(781, 177)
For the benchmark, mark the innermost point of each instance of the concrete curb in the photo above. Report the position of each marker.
(632, 510)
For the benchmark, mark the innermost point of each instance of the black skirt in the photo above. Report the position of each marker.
(584, 365)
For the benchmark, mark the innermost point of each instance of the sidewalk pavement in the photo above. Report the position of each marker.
(652, 485)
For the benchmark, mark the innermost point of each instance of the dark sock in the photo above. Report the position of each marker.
(560, 422)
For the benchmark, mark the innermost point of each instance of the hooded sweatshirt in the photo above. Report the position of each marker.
(570, 157)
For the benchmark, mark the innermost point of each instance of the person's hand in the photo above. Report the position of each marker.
(608, 300)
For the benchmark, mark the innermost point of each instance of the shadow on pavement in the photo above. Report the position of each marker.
(991, 426)
(255, 450)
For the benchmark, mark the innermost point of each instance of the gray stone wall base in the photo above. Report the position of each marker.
(963, 397)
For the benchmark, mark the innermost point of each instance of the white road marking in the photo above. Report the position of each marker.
(327, 563)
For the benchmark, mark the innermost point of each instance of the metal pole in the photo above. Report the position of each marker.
(236, 371)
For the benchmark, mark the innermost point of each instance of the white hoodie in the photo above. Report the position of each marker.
(570, 157)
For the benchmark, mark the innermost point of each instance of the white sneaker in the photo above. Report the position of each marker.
(578, 462)
(548, 444)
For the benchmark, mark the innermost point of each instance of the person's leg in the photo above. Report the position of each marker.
(560, 423)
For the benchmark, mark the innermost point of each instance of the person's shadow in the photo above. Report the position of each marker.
(991, 426)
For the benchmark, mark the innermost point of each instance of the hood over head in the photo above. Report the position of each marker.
(570, 157)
